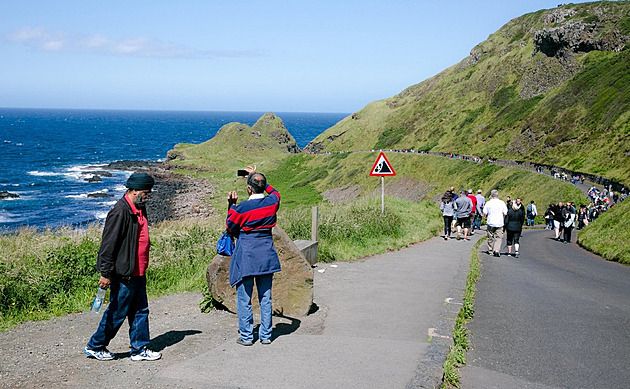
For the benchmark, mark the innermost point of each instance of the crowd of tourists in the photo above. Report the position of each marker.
(466, 210)
(463, 212)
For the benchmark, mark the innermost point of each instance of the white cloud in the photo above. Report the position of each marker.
(39, 38)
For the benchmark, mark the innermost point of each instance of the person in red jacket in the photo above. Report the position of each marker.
(122, 261)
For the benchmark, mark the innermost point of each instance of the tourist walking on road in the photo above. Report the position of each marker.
(447, 206)
(549, 217)
(568, 214)
(532, 211)
(514, 226)
(254, 258)
(495, 211)
(558, 220)
(582, 217)
(122, 261)
(473, 211)
(481, 201)
(464, 207)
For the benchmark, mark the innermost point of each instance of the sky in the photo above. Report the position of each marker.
(233, 55)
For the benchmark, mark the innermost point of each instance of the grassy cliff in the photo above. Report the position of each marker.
(548, 87)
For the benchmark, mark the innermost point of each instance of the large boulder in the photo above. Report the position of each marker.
(292, 291)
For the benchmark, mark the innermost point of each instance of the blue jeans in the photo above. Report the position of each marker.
(127, 300)
(477, 221)
(244, 290)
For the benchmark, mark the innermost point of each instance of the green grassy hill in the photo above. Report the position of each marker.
(236, 145)
(549, 87)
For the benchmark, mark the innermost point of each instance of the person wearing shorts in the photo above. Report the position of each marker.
(464, 208)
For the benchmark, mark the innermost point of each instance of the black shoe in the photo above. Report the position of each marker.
(496, 254)
(243, 343)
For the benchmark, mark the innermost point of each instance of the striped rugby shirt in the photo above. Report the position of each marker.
(257, 213)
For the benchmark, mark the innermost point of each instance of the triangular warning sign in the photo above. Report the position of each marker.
(382, 167)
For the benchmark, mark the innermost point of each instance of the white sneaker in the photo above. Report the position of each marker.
(146, 355)
(101, 355)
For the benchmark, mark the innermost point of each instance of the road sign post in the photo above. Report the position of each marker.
(382, 168)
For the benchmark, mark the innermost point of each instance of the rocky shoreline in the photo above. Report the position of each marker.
(174, 196)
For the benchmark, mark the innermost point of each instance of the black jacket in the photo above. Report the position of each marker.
(557, 213)
(515, 219)
(117, 255)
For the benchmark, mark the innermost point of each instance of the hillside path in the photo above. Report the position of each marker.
(382, 322)
(556, 317)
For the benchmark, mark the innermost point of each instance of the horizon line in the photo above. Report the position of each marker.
(165, 110)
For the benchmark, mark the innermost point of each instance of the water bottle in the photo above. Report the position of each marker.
(98, 300)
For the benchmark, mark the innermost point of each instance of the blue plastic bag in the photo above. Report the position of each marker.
(225, 246)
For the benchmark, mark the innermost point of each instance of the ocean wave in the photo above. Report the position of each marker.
(101, 215)
(7, 217)
(79, 196)
(78, 172)
(14, 198)
(37, 173)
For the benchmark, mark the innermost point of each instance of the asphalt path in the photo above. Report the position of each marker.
(556, 317)
(387, 322)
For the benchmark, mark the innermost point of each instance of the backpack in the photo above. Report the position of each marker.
(529, 210)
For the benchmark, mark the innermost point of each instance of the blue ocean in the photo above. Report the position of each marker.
(45, 155)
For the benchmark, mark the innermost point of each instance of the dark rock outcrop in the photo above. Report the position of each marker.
(577, 37)
(94, 178)
(8, 195)
(99, 195)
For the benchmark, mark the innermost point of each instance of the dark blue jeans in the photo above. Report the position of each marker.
(127, 300)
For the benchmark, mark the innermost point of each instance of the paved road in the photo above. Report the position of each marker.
(557, 317)
(386, 325)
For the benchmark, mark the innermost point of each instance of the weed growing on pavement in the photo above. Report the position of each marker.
(456, 356)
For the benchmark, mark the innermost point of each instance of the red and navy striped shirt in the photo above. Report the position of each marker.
(254, 214)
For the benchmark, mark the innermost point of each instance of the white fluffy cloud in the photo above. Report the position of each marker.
(40, 38)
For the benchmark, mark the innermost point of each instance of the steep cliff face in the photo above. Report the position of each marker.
(551, 86)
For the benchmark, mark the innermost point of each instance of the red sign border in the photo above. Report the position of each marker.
(393, 173)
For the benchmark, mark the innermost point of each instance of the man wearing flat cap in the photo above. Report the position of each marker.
(122, 261)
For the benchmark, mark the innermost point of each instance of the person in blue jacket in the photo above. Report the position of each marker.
(255, 258)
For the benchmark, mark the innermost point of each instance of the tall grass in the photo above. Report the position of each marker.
(358, 229)
(52, 272)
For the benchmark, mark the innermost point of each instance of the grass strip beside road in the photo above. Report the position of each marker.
(456, 356)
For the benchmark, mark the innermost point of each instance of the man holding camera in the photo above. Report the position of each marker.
(254, 258)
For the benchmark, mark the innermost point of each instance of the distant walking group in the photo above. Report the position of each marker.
(464, 210)
(561, 219)
(501, 218)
